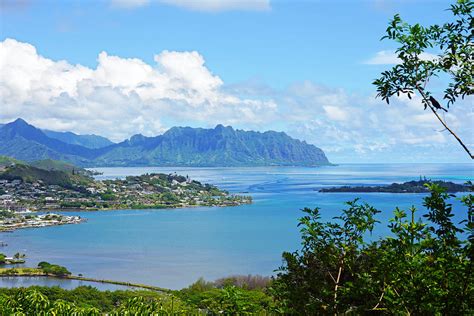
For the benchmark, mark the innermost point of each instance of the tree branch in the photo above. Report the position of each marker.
(380, 300)
(428, 102)
(396, 292)
(337, 285)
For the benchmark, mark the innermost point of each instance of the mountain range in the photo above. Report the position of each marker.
(179, 146)
(89, 141)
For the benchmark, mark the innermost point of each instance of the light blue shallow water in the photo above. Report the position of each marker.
(173, 248)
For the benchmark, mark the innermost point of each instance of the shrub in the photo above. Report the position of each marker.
(53, 269)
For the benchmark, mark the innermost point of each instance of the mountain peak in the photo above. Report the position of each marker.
(20, 126)
(19, 122)
(222, 127)
(24, 141)
(137, 138)
(224, 130)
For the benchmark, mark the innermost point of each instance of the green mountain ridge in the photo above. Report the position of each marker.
(88, 141)
(179, 146)
(6, 161)
(31, 174)
(49, 171)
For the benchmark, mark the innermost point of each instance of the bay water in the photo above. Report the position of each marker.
(172, 248)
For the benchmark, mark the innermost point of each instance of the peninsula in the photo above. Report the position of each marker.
(24, 187)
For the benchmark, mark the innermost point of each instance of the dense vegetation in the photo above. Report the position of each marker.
(202, 297)
(7, 161)
(56, 165)
(43, 269)
(53, 172)
(406, 187)
(88, 301)
(235, 295)
(30, 174)
(424, 268)
(53, 269)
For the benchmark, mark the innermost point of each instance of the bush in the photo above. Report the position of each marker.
(223, 297)
(53, 269)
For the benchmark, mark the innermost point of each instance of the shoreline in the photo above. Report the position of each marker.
(41, 220)
(146, 191)
(80, 278)
(12, 229)
(137, 209)
(151, 207)
(81, 220)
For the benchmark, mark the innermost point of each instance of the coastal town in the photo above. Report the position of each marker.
(146, 191)
(10, 220)
(25, 190)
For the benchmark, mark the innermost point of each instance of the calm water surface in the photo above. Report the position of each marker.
(173, 248)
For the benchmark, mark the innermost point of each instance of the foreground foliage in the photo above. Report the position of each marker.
(237, 295)
(86, 300)
(206, 298)
(424, 268)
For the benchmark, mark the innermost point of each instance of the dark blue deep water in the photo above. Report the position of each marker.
(173, 248)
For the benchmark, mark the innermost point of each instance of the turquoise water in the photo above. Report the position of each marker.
(173, 248)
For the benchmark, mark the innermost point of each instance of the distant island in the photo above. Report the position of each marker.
(405, 187)
(221, 146)
(61, 186)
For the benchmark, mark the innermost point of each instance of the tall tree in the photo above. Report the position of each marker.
(454, 63)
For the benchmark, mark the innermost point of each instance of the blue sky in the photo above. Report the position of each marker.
(304, 67)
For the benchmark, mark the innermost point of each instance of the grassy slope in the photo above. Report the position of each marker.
(31, 174)
(57, 165)
(7, 161)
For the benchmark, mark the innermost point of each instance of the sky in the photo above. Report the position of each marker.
(122, 67)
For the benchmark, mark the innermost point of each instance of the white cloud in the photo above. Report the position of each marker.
(389, 57)
(124, 96)
(201, 5)
(384, 57)
(360, 128)
(335, 113)
(118, 93)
